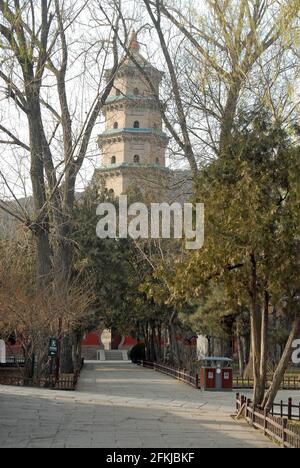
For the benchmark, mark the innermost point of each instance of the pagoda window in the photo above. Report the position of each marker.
(113, 160)
(116, 125)
(136, 91)
(158, 161)
(136, 124)
(136, 159)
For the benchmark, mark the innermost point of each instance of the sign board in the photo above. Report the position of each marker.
(53, 347)
(211, 376)
(226, 376)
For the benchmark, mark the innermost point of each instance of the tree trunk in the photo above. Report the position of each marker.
(256, 359)
(248, 372)
(166, 343)
(159, 343)
(229, 116)
(27, 372)
(174, 346)
(247, 347)
(66, 362)
(264, 347)
(210, 346)
(40, 228)
(255, 321)
(240, 352)
(152, 342)
(282, 367)
(77, 356)
(145, 330)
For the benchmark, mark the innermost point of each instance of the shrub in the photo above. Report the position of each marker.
(137, 353)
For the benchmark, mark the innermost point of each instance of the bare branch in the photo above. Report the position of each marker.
(14, 139)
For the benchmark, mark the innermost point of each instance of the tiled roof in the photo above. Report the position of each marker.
(136, 131)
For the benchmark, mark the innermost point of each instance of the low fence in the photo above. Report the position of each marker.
(147, 364)
(288, 410)
(278, 428)
(179, 374)
(13, 361)
(289, 383)
(66, 382)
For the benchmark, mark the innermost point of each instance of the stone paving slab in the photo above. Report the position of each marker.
(119, 405)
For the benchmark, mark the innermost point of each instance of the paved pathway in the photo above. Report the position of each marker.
(120, 406)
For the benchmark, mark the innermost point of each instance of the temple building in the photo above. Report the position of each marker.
(133, 144)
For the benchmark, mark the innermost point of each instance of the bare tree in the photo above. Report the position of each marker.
(238, 54)
(42, 57)
(33, 314)
(220, 58)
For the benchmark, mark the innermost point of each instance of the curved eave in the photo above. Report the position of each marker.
(130, 69)
(121, 134)
(129, 167)
(116, 102)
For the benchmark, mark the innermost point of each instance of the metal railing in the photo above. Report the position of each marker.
(179, 374)
(289, 383)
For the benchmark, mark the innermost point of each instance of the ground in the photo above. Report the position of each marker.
(120, 405)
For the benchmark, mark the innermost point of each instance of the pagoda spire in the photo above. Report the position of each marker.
(134, 46)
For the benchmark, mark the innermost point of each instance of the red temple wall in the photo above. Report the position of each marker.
(92, 339)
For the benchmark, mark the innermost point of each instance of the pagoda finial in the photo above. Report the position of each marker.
(134, 45)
